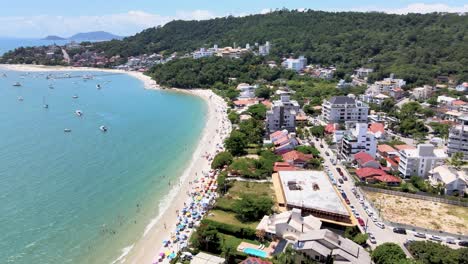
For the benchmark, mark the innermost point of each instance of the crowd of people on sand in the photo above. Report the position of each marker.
(202, 193)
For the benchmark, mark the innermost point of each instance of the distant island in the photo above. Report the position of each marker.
(91, 36)
(52, 37)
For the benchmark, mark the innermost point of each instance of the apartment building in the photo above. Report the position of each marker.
(419, 161)
(344, 108)
(358, 139)
(282, 114)
(458, 140)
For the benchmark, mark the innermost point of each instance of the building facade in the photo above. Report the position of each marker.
(419, 161)
(458, 141)
(344, 108)
(295, 64)
(357, 140)
(282, 114)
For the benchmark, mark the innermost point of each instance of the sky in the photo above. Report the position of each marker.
(36, 19)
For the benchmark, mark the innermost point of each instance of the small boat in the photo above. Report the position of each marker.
(67, 130)
(44, 103)
(4, 75)
(103, 128)
(51, 86)
(87, 77)
(98, 86)
(78, 112)
(75, 96)
(17, 84)
(20, 98)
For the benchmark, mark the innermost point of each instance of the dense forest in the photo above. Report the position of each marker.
(416, 47)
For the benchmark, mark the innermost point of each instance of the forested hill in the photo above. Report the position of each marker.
(416, 43)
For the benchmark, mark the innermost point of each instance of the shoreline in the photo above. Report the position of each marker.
(148, 246)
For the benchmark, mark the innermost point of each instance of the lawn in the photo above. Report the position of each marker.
(229, 218)
(233, 242)
(261, 189)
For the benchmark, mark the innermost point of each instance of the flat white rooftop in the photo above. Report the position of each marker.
(311, 189)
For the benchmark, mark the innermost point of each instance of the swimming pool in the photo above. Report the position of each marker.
(255, 252)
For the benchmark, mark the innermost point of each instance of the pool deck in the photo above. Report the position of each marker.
(268, 250)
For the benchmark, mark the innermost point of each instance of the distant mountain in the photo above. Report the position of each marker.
(90, 36)
(53, 38)
(95, 36)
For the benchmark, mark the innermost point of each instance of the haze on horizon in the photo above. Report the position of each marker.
(37, 19)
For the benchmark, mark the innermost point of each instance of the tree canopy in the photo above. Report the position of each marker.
(388, 253)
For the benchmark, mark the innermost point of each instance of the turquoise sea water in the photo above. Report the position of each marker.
(81, 197)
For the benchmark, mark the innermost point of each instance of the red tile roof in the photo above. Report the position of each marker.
(376, 127)
(295, 155)
(458, 102)
(403, 147)
(330, 128)
(388, 178)
(363, 157)
(386, 148)
(392, 162)
(283, 166)
(276, 134)
(363, 173)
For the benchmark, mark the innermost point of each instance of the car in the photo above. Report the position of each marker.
(361, 201)
(344, 177)
(450, 240)
(353, 189)
(399, 230)
(379, 224)
(340, 181)
(352, 207)
(463, 243)
(361, 222)
(316, 139)
(369, 212)
(338, 169)
(372, 238)
(326, 153)
(436, 238)
(321, 145)
(420, 235)
(356, 214)
(374, 219)
(347, 201)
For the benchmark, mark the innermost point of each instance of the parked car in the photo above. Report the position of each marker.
(374, 219)
(399, 230)
(338, 169)
(369, 212)
(381, 225)
(421, 235)
(326, 153)
(352, 207)
(356, 214)
(436, 238)
(372, 238)
(321, 145)
(361, 222)
(347, 201)
(463, 243)
(340, 181)
(344, 177)
(361, 201)
(450, 240)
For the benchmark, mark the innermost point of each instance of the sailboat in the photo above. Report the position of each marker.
(20, 98)
(103, 128)
(17, 84)
(44, 103)
(75, 96)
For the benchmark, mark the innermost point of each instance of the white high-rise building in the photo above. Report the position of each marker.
(419, 161)
(282, 114)
(295, 64)
(344, 108)
(358, 139)
(264, 50)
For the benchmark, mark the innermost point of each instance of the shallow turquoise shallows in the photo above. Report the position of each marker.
(84, 196)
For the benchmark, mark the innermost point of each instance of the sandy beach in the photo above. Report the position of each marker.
(217, 127)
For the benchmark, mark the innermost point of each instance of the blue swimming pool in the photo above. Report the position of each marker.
(255, 252)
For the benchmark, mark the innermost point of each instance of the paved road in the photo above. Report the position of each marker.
(382, 235)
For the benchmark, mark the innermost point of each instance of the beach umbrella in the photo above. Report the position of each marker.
(161, 254)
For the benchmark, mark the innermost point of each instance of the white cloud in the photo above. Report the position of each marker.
(121, 24)
(421, 8)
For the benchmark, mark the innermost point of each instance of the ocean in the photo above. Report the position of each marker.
(84, 196)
